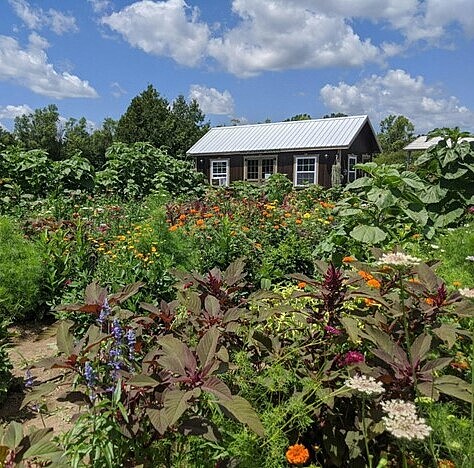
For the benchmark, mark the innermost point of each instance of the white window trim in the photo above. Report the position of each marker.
(316, 169)
(259, 158)
(354, 172)
(211, 172)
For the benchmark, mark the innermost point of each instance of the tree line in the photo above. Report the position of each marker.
(172, 127)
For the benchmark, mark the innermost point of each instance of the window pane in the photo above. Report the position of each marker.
(252, 169)
(305, 165)
(268, 167)
(304, 178)
(219, 169)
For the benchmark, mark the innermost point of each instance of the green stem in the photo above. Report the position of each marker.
(364, 430)
(404, 458)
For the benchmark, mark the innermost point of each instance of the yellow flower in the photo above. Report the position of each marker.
(153, 248)
(307, 216)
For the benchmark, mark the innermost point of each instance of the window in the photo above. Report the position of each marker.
(351, 170)
(306, 170)
(220, 172)
(259, 169)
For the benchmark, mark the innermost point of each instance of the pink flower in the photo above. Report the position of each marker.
(332, 330)
(352, 357)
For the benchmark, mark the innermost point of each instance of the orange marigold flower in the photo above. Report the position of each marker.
(331, 218)
(216, 208)
(365, 275)
(369, 302)
(298, 221)
(276, 226)
(297, 454)
(302, 284)
(373, 283)
(430, 301)
(207, 215)
(193, 211)
(257, 245)
(173, 228)
(287, 215)
(456, 284)
(182, 217)
(200, 222)
(446, 464)
(349, 259)
(414, 280)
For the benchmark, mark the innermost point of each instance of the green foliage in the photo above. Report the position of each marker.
(21, 274)
(449, 169)
(5, 364)
(395, 133)
(137, 170)
(277, 187)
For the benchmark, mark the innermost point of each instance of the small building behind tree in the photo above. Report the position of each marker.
(304, 150)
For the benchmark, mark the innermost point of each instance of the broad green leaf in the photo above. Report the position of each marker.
(446, 219)
(412, 180)
(45, 449)
(206, 348)
(38, 393)
(350, 212)
(358, 183)
(420, 217)
(241, 409)
(368, 234)
(454, 175)
(433, 194)
(13, 435)
(381, 198)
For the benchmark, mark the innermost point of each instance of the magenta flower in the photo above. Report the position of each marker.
(332, 330)
(351, 358)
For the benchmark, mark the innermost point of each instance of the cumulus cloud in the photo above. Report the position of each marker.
(10, 112)
(167, 28)
(29, 67)
(273, 35)
(268, 38)
(397, 92)
(37, 18)
(212, 101)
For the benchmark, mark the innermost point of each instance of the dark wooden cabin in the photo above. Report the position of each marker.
(304, 150)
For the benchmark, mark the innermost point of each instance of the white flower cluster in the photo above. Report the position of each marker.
(398, 259)
(470, 258)
(364, 384)
(402, 421)
(466, 292)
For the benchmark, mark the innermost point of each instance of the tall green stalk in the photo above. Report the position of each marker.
(364, 431)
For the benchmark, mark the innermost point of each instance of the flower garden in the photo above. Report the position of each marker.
(249, 326)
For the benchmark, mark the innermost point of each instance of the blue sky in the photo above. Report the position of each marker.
(249, 60)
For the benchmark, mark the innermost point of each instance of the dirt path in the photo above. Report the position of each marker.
(25, 351)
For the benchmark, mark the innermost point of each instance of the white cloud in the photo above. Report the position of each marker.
(116, 90)
(212, 101)
(10, 112)
(29, 67)
(167, 28)
(269, 38)
(36, 18)
(397, 92)
(99, 6)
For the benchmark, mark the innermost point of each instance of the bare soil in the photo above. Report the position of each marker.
(26, 350)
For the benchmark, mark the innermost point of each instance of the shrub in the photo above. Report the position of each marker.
(21, 272)
(5, 364)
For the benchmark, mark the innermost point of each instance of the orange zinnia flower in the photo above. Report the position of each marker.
(430, 301)
(200, 222)
(369, 302)
(182, 217)
(298, 221)
(302, 284)
(365, 275)
(373, 283)
(349, 260)
(173, 228)
(297, 454)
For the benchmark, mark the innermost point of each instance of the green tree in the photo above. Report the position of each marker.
(6, 138)
(396, 131)
(40, 130)
(76, 139)
(146, 119)
(333, 115)
(299, 117)
(101, 140)
(185, 126)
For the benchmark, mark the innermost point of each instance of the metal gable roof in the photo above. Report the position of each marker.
(329, 133)
(423, 142)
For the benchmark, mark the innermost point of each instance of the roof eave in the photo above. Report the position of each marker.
(270, 151)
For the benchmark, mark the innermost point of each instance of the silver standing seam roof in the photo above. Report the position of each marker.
(423, 143)
(328, 133)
